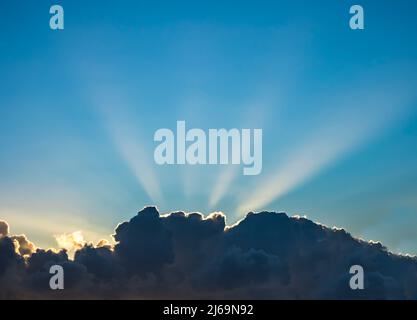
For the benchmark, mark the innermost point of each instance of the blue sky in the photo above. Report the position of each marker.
(338, 109)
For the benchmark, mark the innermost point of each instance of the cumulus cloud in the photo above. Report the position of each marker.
(23, 246)
(266, 255)
(71, 242)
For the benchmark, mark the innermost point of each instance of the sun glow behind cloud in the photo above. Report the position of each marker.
(70, 241)
(48, 223)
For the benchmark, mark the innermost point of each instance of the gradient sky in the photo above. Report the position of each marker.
(338, 109)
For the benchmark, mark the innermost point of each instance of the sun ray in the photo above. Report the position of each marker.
(345, 130)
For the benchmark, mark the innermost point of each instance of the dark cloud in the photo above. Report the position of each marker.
(12, 268)
(4, 229)
(8, 256)
(265, 256)
(144, 244)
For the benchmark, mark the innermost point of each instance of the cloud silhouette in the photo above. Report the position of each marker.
(4, 228)
(266, 255)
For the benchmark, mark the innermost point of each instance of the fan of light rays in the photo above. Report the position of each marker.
(359, 115)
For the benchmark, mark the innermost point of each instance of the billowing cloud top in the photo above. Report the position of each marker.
(266, 255)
